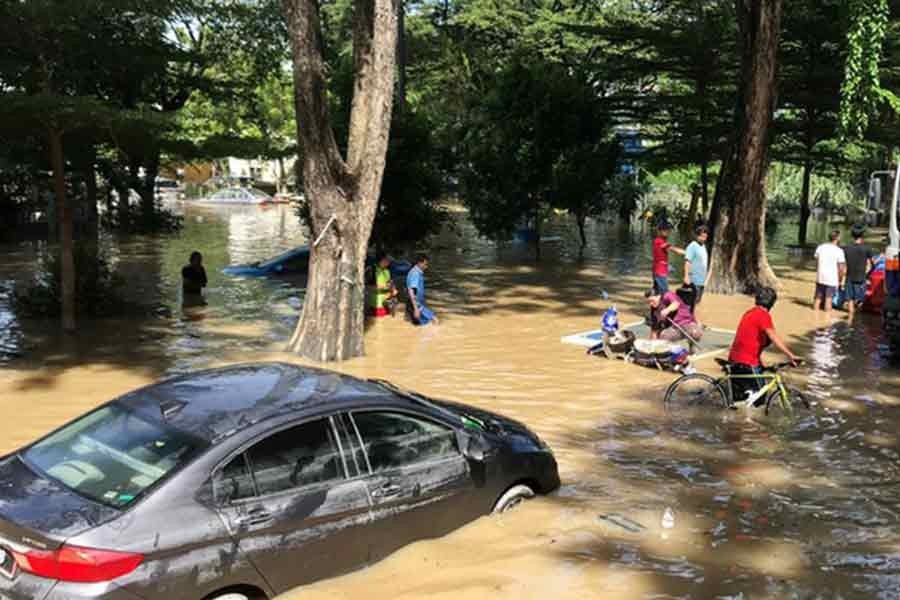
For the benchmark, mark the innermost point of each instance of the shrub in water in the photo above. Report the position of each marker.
(97, 286)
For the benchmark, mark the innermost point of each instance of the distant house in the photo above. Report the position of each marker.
(264, 173)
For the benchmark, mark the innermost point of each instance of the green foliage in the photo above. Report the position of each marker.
(785, 182)
(409, 209)
(861, 90)
(97, 287)
(807, 122)
(675, 70)
(626, 194)
(538, 138)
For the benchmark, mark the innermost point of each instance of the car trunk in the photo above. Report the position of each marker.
(37, 514)
(42, 510)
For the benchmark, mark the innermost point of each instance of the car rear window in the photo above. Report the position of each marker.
(113, 455)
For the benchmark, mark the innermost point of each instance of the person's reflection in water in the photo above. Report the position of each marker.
(193, 281)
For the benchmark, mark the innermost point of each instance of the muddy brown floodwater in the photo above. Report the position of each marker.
(805, 508)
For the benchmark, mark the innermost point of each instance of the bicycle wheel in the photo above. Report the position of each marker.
(775, 407)
(696, 389)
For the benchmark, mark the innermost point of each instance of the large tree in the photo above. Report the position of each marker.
(808, 117)
(739, 257)
(343, 191)
(679, 63)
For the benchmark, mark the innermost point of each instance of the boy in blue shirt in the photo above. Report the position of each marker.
(696, 262)
(416, 308)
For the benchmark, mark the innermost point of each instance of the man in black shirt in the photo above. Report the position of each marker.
(193, 276)
(859, 262)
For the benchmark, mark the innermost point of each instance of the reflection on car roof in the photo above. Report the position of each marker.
(216, 403)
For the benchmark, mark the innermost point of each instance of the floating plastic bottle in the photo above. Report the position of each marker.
(668, 519)
(610, 321)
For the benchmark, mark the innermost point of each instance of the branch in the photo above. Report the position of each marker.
(310, 88)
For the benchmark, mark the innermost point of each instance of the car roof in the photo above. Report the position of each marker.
(216, 403)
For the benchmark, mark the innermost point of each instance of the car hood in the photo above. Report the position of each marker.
(39, 504)
(493, 422)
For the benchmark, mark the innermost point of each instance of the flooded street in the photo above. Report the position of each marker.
(806, 508)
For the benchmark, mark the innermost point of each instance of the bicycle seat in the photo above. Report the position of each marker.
(726, 366)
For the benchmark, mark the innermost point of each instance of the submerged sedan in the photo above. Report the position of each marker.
(242, 482)
(296, 261)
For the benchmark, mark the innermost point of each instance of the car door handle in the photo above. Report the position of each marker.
(388, 490)
(257, 516)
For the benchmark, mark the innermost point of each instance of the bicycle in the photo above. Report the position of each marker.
(697, 389)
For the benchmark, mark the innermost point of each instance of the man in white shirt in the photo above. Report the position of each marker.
(830, 272)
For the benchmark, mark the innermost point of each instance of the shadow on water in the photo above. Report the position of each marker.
(167, 334)
(802, 507)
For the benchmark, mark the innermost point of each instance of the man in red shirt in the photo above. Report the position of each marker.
(754, 335)
(661, 248)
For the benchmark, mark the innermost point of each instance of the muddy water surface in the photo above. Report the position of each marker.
(804, 508)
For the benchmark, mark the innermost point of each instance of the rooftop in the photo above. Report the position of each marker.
(216, 403)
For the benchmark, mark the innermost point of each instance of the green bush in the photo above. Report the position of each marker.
(97, 286)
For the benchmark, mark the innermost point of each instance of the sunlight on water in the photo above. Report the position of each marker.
(807, 507)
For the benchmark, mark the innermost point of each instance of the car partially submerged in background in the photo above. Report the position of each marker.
(296, 261)
(239, 195)
(243, 482)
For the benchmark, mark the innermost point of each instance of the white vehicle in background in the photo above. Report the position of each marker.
(237, 195)
(168, 189)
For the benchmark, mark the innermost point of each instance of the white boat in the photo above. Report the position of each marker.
(236, 195)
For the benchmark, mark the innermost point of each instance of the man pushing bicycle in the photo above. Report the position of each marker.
(754, 334)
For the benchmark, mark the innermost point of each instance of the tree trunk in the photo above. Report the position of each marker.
(704, 187)
(281, 176)
(66, 238)
(741, 264)
(580, 220)
(401, 56)
(804, 203)
(91, 212)
(146, 187)
(688, 227)
(343, 195)
(719, 202)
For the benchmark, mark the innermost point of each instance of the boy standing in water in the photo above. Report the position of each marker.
(831, 269)
(193, 275)
(383, 294)
(859, 261)
(696, 262)
(418, 312)
(661, 248)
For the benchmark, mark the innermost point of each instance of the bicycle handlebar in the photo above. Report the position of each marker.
(784, 365)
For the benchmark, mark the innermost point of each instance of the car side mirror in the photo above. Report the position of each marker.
(473, 446)
(205, 494)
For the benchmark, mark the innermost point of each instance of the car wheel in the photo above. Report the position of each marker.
(513, 497)
(236, 596)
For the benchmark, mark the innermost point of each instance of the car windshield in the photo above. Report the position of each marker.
(112, 455)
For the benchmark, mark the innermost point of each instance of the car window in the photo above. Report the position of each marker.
(297, 263)
(301, 455)
(113, 455)
(233, 481)
(395, 440)
(356, 462)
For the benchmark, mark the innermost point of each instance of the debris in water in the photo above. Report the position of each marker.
(625, 523)
(668, 519)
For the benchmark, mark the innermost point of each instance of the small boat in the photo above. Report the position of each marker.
(238, 195)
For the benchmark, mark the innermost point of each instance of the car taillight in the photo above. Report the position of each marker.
(76, 564)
